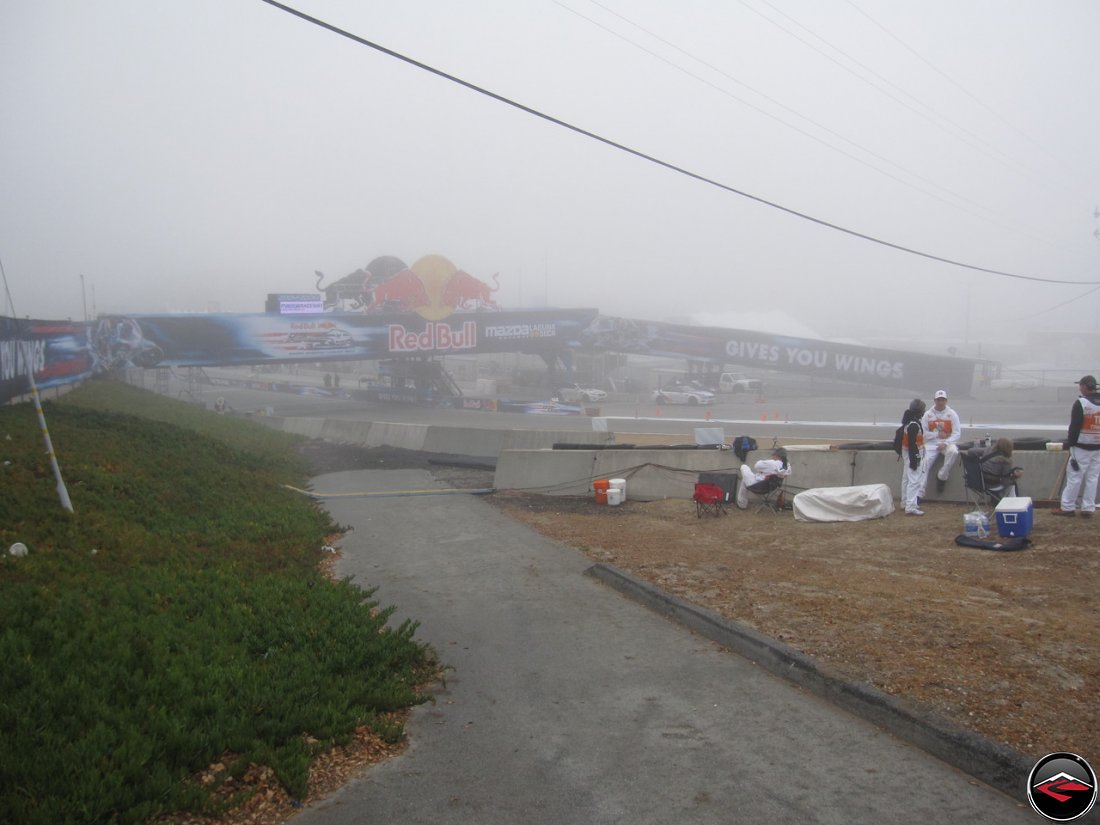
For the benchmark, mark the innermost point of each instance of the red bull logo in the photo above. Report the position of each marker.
(404, 291)
(433, 288)
(435, 337)
(463, 289)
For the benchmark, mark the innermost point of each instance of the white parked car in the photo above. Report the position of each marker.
(575, 394)
(683, 394)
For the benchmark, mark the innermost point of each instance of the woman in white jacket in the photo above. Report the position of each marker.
(775, 467)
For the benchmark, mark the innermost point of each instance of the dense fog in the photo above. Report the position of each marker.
(194, 157)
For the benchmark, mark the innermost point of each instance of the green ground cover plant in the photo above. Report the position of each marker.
(176, 616)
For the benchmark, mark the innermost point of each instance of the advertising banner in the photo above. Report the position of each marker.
(56, 351)
(209, 340)
(781, 353)
(62, 351)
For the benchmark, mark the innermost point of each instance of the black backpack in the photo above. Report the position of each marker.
(899, 433)
(743, 445)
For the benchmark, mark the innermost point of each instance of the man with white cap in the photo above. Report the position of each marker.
(1083, 465)
(942, 431)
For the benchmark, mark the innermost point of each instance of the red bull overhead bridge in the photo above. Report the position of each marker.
(389, 310)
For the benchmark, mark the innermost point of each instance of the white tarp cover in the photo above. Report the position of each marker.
(844, 503)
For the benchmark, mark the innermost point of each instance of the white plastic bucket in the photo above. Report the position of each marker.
(618, 484)
(614, 496)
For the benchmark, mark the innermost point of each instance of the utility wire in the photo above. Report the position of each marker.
(954, 82)
(657, 161)
(1080, 297)
(930, 115)
(983, 209)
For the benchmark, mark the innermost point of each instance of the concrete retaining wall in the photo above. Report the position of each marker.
(474, 442)
(389, 434)
(526, 462)
(656, 474)
(308, 427)
(545, 439)
(465, 441)
(346, 432)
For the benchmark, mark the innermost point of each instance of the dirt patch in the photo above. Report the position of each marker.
(1006, 644)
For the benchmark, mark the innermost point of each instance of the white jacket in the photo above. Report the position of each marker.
(940, 427)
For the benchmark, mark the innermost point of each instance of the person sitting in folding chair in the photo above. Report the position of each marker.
(998, 474)
(763, 477)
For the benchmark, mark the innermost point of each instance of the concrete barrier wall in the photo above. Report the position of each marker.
(308, 427)
(467, 441)
(390, 434)
(649, 474)
(657, 474)
(526, 462)
(548, 472)
(346, 432)
(545, 439)
(486, 443)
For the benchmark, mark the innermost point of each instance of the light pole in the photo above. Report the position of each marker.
(84, 296)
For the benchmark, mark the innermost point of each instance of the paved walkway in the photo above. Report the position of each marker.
(568, 703)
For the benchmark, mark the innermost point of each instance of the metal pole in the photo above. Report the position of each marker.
(62, 491)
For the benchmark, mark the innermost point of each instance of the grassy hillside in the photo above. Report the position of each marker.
(177, 615)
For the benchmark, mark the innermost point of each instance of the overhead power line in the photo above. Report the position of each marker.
(955, 83)
(657, 161)
(962, 199)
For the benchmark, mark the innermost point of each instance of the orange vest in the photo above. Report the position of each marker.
(942, 426)
(1090, 424)
(905, 439)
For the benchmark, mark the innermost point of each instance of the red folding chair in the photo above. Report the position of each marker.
(709, 498)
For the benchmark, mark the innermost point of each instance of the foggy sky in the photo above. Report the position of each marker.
(196, 156)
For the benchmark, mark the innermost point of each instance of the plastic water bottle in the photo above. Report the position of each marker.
(971, 523)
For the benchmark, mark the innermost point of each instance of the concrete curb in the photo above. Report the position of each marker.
(998, 765)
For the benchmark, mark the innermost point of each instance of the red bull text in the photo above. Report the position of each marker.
(435, 337)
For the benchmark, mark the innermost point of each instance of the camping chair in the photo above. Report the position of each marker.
(769, 493)
(709, 498)
(974, 484)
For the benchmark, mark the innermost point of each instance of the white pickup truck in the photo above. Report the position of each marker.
(738, 382)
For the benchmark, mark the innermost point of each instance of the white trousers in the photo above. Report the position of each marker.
(748, 477)
(950, 458)
(912, 483)
(1082, 481)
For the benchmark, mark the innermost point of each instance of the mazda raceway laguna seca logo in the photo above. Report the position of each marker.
(1062, 787)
